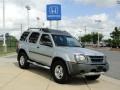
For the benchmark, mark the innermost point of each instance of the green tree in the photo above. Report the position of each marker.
(93, 37)
(86, 38)
(108, 42)
(115, 35)
(11, 40)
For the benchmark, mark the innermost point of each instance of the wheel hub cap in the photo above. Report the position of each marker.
(22, 60)
(59, 72)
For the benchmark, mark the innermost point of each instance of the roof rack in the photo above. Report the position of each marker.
(45, 30)
(41, 29)
(53, 31)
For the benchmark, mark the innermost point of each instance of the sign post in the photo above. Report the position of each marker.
(54, 13)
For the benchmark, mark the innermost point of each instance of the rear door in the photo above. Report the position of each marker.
(23, 41)
(33, 45)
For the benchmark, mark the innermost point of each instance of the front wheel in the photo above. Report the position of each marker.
(22, 60)
(59, 72)
(93, 77)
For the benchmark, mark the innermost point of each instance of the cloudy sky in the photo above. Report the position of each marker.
(76, 15)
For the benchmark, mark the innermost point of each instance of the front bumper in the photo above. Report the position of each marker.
(83, 69)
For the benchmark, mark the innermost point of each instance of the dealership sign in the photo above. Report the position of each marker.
(53, 12)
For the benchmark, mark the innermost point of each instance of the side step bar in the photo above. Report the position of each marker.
(38, 64)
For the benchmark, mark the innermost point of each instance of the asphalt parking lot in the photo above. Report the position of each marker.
(36, 78)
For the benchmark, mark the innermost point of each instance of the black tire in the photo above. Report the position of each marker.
(93, 77)
(25, 64)
(65, 77)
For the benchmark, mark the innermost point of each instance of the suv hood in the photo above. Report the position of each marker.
(79, 50)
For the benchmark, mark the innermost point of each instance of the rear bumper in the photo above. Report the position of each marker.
(85, 69)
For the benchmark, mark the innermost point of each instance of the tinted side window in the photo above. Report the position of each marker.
(34, 37)
(24, 36)
(45, 38)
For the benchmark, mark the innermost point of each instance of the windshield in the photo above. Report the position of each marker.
(68, 41)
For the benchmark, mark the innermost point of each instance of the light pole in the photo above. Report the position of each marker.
(118, 2)
(80, 36)
(38, 22)
(85, 28)
(21, 26)
(57, 25)
(98, 21)
(50, 24)
(98, 39)
(28, 15)
(4, 36)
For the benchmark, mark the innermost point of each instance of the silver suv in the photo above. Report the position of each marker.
(61, 53)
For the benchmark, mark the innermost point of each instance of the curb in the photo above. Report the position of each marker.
(8, 55)
(110, 79)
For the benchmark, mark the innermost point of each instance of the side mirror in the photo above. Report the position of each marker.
(83, 45)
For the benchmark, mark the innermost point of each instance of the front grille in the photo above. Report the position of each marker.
(96, 59)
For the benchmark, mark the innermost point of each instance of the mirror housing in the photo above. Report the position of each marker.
(83, 45)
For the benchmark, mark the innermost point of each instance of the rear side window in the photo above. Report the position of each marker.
(24, 36)
(34, 37)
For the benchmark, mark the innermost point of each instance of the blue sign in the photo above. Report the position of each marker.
(53, 12)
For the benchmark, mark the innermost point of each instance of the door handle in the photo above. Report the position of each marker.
(38, 47)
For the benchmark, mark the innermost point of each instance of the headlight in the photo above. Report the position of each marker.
(79, 57)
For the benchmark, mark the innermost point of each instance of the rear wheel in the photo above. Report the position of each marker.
(93, 77)
(59, 72)
(22, 60)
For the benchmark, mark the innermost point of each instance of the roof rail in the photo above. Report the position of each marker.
(41, 29)
(47, 30)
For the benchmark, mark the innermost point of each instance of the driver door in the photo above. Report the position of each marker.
(45, 50)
